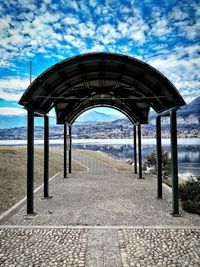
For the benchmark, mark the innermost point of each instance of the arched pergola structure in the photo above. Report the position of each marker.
(102, 79)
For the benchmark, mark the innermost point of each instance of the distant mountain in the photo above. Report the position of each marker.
(108, 126)
(13, 121)
(188, 115)
(95, 116)
(192, 108)
(21, 120)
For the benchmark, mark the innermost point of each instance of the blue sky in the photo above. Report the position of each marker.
(165, 34)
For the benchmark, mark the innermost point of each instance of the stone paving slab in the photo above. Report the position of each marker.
(103, 248)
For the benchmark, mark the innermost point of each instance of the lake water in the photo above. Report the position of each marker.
(188, 149)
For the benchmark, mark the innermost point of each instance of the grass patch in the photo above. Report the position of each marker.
(120, 165)
(13, 172)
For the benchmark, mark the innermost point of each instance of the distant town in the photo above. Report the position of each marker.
(118, 129)
(98, 125)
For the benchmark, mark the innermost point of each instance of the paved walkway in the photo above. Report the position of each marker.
(95, 166)
(101, 218)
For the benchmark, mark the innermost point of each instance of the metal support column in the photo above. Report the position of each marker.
(159, 157)
(135, 148)
(174, 163)
(65, 151)
(70, 148)
(30, 162)
(46, 156)
(139, 151)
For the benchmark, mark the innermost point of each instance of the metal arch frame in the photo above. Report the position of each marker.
(113, 67)
(64, 90)
(126, 69)
(79, 88)
(132, 108)
(112, 56)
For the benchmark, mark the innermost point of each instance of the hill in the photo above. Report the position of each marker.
(95, 116)
(12, 121)
(192, 109)
(97, 125)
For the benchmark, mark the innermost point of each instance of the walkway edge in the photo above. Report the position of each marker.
(11, 211)
(120, 227)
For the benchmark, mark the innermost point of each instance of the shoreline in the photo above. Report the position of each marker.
(145, 141)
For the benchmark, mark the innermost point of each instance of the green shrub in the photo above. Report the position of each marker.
(151, 162)
(189, 192)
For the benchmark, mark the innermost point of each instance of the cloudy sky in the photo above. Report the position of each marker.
(165, 34)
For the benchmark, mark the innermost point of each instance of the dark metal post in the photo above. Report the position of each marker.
(174, 163)
(135, 148)
(30, 162)
(70, 148)
(139, 151)
(159, 157)
(46, 156)
(65, 151)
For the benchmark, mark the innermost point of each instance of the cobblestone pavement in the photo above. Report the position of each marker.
(42, 247)
(160, 247)
(97, 247)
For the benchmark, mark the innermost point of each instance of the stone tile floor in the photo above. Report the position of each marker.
(42, 247)
(160, 247)
(99, 247)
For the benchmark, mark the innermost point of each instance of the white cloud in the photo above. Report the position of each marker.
(35, 30)
(26, 16)
(4, 63)
(85, 30)
(92, 3)
(9, 96)
(71, 27)
(30, 4)
(12, 88)
(107, 34)
(133, 27)
(191, 31)
(161, 28)
(45, 29)
(181, 67)
(96, 48)
(14, 83)
(72, 4)
(12, 111)
(69, 38)
(178, 14)
(70, 20)
(189, 99)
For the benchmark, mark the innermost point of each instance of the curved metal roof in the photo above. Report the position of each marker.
(101, 79)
